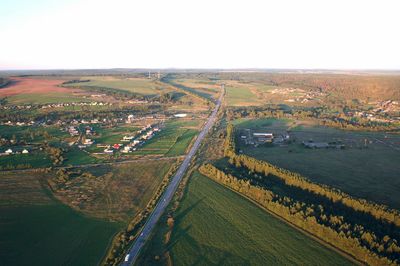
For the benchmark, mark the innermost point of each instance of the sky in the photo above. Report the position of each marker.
(306, 34)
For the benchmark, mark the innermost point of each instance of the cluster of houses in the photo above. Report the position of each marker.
(322, 145)
(10, 151)
(73, 131)
(257, 138)
(9, 123)
(146, 133)
(52, 105)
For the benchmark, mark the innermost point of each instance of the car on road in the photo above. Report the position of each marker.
(127, 258)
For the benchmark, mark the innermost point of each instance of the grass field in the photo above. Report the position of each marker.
(215, 226)
(173, 139)
(77, 157)
(35, 159)
(240, 96)
(36, 229)
(115, 192)
(24, 132)
(141, 86)
(369, 171)
(44, 98)
(202, 88)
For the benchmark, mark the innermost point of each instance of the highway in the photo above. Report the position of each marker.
(166, 198)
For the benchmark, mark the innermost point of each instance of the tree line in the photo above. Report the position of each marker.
(323, 115)
(352, 238)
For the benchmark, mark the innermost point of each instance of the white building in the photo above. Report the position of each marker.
(25, 151)
(180, 115)
(9, 151)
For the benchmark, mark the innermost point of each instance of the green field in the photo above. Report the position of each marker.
(196, 87)
(44, 98)
(173, 139)
(36, 229)
(141, 86)
(215, 226)
(78, 157)
(240, 96)
(182, 143)
(27, 132)
(367, 171)
(34, 160)
(113, 135)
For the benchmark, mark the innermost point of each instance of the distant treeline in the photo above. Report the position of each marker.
(4, 82)
(371, 87)
(323, 115)
(73, 81)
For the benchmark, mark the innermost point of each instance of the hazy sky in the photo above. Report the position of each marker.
(347, 34)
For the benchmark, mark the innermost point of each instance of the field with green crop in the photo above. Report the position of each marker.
(76, 156)
(367, 167)
(36, 159)
(36, 229)
(209, 90)
(141, 86)
(45, 98)
(173, 139)
(113, 135)
(240, 96)
(215, 226)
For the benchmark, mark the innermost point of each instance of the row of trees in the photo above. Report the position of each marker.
(313, 219)
(55, 154)
(294, 179)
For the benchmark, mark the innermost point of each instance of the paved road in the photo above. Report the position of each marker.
(170, 190)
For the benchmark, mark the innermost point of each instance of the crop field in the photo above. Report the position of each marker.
(31, 134)
(33, 90)
(36, 229)
(35, 159)
(367, 167)
(141, 86)
(208, 90)
(76, 156)
(215, 226)
(173, 139)
(240, 95)
(113, 135)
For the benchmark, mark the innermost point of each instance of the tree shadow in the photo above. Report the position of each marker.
(185, 212)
